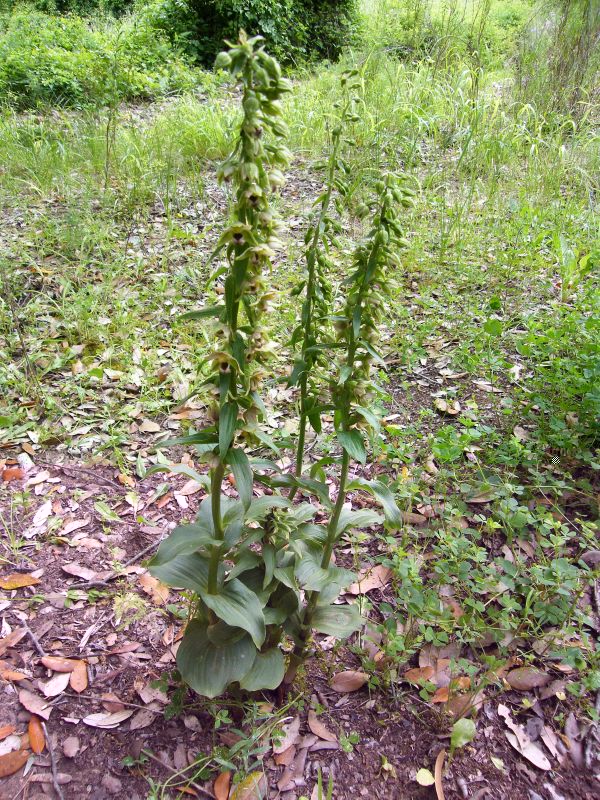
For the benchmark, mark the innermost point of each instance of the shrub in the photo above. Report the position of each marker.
(64, 61)
(293, 28)
(558, 61)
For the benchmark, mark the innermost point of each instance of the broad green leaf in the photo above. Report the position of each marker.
(298, 370)
(493, 326)
(265, 464)
(371, 350)
(313, 577)
(357, 519)
(207, 436)
(209, 668)
(353, 444)
(231, 509)
(239, 607)
(183, 540)
(104, 510)
(189, 571)
(181, 469)
(238, 461)
(463, 732)
(227, 423)
(340, 621)
(316, 487)
(370, 417)
(260, 506)
(379, 490)
(201, 313)
(221, 633)
(266, 673)
(301, 513)
(245, 561)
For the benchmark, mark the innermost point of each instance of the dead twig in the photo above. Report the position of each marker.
(106, 581)
(55, 782)
(82, 471)
(35, 640)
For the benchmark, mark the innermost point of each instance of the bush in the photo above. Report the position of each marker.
(558, 61)
(63, 61)
(450, 32)
(81, 7)
(293, 29)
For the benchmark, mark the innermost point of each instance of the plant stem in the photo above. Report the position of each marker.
(299, 651)
(216, 479)
(311, 260)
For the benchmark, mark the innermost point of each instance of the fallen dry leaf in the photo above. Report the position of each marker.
(254, 787)
(459, 705)
(75, 525)
(14, 742)
(152, 586)
(79, 677)
(221, 785)
(441, 695)
(572, 735)
(451, 408)
(42, 514)
(530, 751)
(13, 474)
(419, 675)
(12, 762)
(71, 746)
(291, 732)
(59, 664)
(17, 581)
(37, 740)
(349, 681)
(41, 477)
(520, 740)
(525, 678)
(317, 727)
(375, 578)
(439, 765)
(12, 675)
(285, 759)
(79, 572)
(143, 717)
(148, 426)
(35, 704)
(55, 685)
(112, 703)
(12, 639)
(6, 730)
(189, 488)
(107, 720)
(410, 518)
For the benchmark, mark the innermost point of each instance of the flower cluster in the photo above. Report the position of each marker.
(251, 240)
(368, 291)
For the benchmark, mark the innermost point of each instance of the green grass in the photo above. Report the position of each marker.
(499, 285)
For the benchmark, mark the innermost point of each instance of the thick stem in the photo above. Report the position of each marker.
(299, 652)
(216, 479)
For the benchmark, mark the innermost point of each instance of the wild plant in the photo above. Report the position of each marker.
(313, 326)
(226, 637)
(258, 568)
(351, 391)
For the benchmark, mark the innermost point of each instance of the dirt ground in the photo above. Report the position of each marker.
(77, 523)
